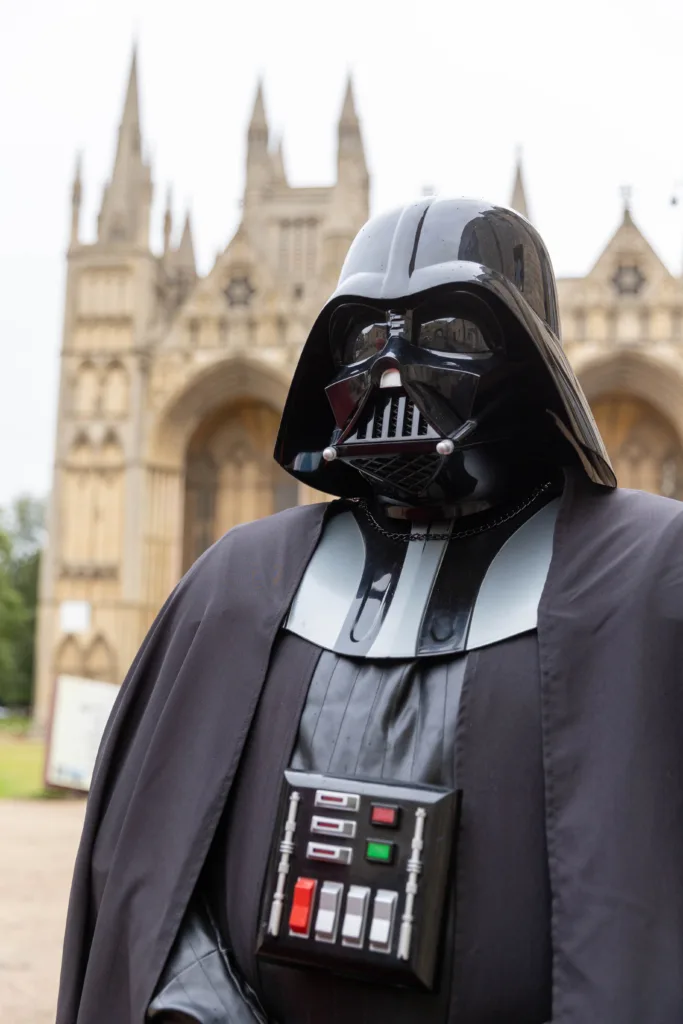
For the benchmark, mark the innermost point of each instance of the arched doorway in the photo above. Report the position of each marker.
(231, 476)
(644, 448)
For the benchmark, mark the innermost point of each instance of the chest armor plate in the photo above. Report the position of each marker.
(367, 898)
(366, 595)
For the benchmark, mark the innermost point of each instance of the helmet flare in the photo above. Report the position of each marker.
(438, 356)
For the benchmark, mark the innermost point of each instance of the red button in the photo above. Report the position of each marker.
(385, 816)
(302, 906)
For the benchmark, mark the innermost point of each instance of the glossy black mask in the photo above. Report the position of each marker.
(422, 395)
(501, 389)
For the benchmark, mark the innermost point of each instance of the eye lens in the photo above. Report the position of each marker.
(366, 342)
(356, 333)
(452, 334)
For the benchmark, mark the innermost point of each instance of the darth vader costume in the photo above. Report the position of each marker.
(415, 753)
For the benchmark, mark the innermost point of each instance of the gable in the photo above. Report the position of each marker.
(628, 265)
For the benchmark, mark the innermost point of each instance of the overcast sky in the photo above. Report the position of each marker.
(446, 90)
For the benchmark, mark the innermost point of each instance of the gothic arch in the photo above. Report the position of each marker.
(86, 390)
(69, 658)
(92, 502)
(231, 476)
(108, 502)
(637, 401)
(81, 450)
(76, 502)
(111, 450)
(213, 387)
(654, 381)
(115, 390)
(645, 449)
(99, 661)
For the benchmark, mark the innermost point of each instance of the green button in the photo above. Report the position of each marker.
(381, 852)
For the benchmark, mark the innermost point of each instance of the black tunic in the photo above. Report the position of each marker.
(610, 647)
(440, 722)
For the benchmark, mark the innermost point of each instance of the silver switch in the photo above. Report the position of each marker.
(328, 852)
(355, 916)
(332, 800)
(322, 826)
(329, 907)
(383, 919)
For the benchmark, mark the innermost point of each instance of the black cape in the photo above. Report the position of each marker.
(610, 634)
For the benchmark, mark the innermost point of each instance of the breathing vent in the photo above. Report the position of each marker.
(412, 473)
(392, 418)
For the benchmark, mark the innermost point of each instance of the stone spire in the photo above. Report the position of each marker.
(259, 167)
(278, 160)
(76, 196)
(351, 166)
(349, 200)
(168, 221)
(180, 268)
(518, 201)
(626, 193)
(184, 254)
(124, 216)
(349, 116)
(258, 126)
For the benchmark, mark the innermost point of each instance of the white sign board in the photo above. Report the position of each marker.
(81, 710)
(74, 616)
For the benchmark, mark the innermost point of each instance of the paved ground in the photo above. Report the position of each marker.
(38, 842)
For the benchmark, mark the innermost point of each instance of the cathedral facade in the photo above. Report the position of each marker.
(172, 384)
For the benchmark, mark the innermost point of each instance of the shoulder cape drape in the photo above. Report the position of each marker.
(167, 762)
(610, 633)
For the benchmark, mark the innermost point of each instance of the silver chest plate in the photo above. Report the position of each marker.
(502, 602)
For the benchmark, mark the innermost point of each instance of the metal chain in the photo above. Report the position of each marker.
(407, 537)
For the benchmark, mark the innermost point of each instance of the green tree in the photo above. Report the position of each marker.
(13, 627)
(21, 535)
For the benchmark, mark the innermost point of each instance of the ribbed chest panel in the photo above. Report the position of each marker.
(367, 595)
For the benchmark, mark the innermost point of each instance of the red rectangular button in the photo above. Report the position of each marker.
(302, 906)
(387, 817)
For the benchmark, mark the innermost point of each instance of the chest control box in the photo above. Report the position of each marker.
(358, 877)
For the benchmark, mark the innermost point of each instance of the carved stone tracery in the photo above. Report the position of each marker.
(231, 476)
(644, 448)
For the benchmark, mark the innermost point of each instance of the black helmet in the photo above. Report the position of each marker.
(442, 337)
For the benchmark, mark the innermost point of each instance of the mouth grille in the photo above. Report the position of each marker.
(412, 473)
(391, 418)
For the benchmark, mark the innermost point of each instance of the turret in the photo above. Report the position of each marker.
(125, 212)
(278, 164)
(518, 200)
(76, 196)
(352, 169)
(184, 257)
(349, 200)
(626, 216)
(168, 221)
(180, 265)
(259, 164)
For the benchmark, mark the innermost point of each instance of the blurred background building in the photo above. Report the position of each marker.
(172, 384)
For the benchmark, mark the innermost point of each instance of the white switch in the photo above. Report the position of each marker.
(355, 916)
(321, 826)
(333, 854)
(340, 801)
(329, 907)
(383, 919)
